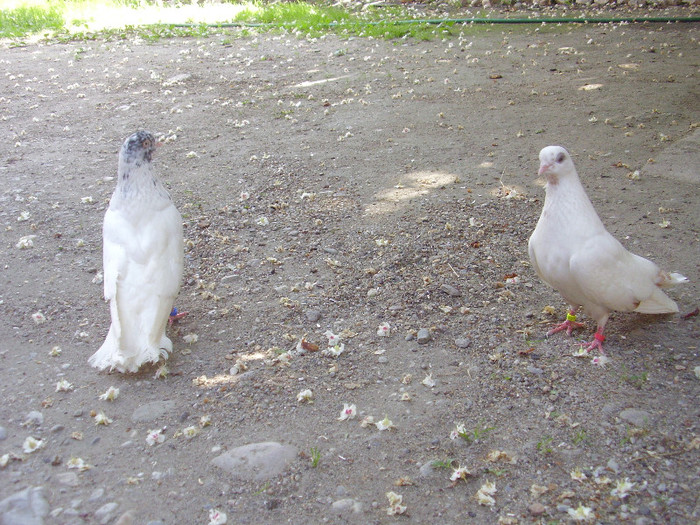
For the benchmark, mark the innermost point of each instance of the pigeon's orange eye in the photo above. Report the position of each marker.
(147, 144)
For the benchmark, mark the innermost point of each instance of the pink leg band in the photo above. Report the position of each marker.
(599, 337)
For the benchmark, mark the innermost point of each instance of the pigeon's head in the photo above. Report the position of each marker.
(138, 148)
(555, 163)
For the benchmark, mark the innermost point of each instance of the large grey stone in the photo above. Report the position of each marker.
(26, 507)
(106, 512)
(638, 418)
(257, 461)
(152, 411)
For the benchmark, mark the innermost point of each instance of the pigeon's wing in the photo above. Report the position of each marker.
(162, 244)
(113, 251)
(615, 279)
(532, 252)
(155, 281)
(114, 259)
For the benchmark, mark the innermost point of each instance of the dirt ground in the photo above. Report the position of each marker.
(386, 182)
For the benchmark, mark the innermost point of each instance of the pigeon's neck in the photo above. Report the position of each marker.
(567, 200)
(139, 181)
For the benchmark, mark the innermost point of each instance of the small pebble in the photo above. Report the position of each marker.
(104, 513)
(423, 336)
(125, 519)
(426, 469)
(536, 509)
(463, 342)
(347, 506)
(450, 290)
(35, 418)
(70, 479)
(312, 315)
(96, 494)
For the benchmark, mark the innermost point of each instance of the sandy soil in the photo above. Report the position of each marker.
(388, 182)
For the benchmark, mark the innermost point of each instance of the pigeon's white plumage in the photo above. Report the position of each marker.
(572, 252)
(142, 260)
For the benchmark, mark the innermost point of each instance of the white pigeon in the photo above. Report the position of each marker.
(142, 261)
(573, 253)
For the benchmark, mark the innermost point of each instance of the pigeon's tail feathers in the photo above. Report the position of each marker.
(658, 303)
(669, 280)
(108, 356)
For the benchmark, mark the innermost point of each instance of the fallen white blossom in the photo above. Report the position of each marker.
(111, 394)
(395, 504)
(25, 242)
(32, 444)
(349, 412)
(305, 395)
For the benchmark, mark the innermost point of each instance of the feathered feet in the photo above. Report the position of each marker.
(569, 325)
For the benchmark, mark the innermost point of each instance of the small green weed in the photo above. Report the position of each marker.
(544, 445)
(472, 436)
(262, 489)
(635, 380)
(443, 463)
(580, 436)
(315, 457)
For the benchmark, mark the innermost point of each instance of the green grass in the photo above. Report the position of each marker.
(89, 19)
(477, 434)
(635, 380)
(443, 463)
(27, 19)
(315, 457)
(544, 445)
(580, 437)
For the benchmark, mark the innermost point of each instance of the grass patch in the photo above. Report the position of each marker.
(472, 436)
(580, 437)
(27, 19)
(636, 380)
(315, 457)
(90, 19)
(443, 463)
(544, 445)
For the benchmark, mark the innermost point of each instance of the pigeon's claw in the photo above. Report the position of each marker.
(597, 343)
(569, 325)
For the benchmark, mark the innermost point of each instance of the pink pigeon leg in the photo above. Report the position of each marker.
(597, 342)
(568, 325)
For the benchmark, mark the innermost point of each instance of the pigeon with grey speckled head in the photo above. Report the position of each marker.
(142, 261)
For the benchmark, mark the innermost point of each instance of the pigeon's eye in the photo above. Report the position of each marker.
(560, 158)
(147, 144)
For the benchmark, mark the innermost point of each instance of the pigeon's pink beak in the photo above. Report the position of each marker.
(544, 168)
